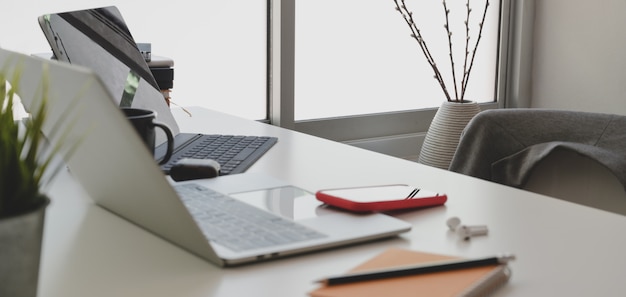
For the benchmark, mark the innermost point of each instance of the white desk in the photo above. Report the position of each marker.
(563, 249)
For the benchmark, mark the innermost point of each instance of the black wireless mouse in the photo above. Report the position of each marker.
(188, 169)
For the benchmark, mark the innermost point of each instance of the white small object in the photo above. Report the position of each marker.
(466, 232)
(453, 223)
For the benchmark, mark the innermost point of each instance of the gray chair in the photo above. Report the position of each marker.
(575, 156)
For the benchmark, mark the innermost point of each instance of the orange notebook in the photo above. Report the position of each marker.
(477, 281)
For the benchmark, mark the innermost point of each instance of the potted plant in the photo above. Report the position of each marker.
(455, 112)
(25, 167)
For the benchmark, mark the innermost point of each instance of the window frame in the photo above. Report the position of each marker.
(512, 80)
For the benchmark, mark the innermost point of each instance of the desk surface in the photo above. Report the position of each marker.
(562, 249)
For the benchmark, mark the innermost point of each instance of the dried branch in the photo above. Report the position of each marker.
(480, 34)
(467, 40)
(449, 33)
(416, 34)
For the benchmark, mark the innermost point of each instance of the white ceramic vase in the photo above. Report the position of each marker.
(445, 130)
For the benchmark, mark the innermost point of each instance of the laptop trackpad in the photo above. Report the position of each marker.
(288, 202)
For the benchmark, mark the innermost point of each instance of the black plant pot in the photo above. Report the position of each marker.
(20, 251)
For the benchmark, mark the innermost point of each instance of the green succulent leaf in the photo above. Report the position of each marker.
(24, 155)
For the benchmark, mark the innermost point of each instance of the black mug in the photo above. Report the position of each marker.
(144, 122)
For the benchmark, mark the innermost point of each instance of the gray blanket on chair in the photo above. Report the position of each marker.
(504, 145)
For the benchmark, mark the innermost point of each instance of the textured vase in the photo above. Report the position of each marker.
(20, 251)
(445, 130)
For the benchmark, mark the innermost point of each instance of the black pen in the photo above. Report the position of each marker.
(414, 269)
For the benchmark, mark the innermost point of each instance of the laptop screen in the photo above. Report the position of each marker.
(100, 40)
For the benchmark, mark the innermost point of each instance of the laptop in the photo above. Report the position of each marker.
(100, 40)
(120, 175)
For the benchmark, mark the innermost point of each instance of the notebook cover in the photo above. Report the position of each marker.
(466, 282)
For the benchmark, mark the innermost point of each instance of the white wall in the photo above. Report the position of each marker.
(579, 55)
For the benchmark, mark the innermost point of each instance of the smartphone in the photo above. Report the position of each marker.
(380, 198)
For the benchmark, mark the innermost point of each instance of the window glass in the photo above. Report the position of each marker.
(357, 57)
(218, 48)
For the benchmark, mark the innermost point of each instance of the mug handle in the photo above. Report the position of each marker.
(170, 142)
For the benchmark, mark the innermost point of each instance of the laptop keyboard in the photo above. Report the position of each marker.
(238, 225)
(235, 153)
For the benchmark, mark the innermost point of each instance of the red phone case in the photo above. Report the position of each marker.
(386, 205)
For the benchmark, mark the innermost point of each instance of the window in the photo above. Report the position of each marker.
(219, 49)
(322, 67)
(357, 57)
(362, 51)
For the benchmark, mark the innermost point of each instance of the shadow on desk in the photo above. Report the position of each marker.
(103, 247)
(110, 256)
